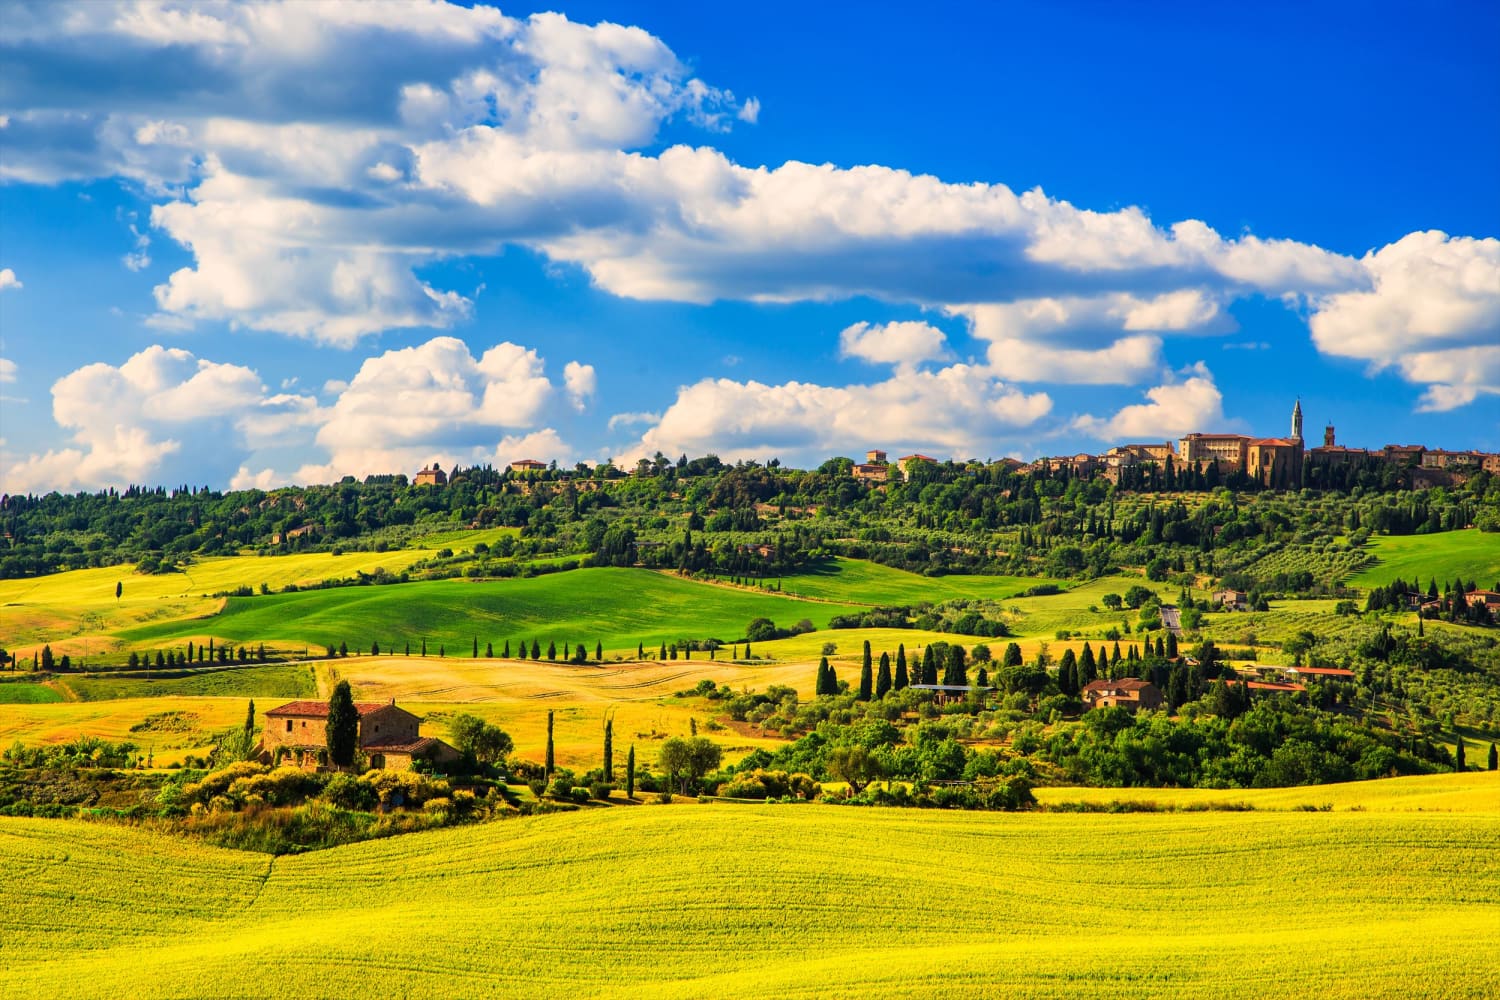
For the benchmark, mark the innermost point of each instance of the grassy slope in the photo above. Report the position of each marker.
(860, 582)
(730, 901)
(77, 612)
(620, 607)
(1468, 554)
(26, 693)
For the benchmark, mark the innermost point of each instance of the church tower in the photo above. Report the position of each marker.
(1297, 420)
(1328, 436)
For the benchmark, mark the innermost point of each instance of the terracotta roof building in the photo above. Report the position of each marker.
(1127, 692)
(390, 737)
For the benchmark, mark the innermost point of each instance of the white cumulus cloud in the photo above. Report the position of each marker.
(580, 382)
(8, 279)
(1172, 410)
(960, 410)
(905, 344)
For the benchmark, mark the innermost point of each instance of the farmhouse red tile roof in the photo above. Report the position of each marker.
(1123, 684)
(416, 746)
(1269, 686)
(320, 708)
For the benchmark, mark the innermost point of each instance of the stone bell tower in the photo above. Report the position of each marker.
(1297, 420)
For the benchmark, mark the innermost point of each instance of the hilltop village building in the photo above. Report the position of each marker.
(1282, 463)
(431, 476)
(297, 733)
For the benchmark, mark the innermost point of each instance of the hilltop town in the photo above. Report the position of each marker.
(1199, 460)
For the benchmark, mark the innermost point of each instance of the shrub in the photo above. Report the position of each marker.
(349, 792)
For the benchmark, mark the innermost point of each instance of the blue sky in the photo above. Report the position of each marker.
(258, 244)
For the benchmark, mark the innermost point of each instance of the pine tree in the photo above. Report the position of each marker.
(630, 773)
(550, 759)
(883, 677)
(1012, 655)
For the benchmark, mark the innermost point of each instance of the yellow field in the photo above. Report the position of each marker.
(111, 720)
(77, 612)
(772, 901)
(1474, 791)
(517, 695)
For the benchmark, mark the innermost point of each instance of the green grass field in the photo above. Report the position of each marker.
(24, 693)
(620, 607)
(857, 581)
(752, 901)
(1471, 555)
(282, 680)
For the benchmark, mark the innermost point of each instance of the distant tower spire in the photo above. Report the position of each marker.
(1328, 436)
(1297, 420)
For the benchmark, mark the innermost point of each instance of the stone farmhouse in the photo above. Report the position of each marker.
(1127, 692)
(527, 465)
(433, 476)
(390, 737)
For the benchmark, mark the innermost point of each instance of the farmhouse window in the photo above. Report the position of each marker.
(288, 725)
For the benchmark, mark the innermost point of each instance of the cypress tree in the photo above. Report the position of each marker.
(630, 773)
(1494, 758)
(250, 720)
(747, 651)
(551, 651)
(374, 650)
(820, 686)
(475, 654)
(1171, 645)
(662, 655)
(599, 651)
(883, 677)
(1012, 655)
(1460, 764)
(1067, 673)
(902, 680)
(424, 645)
(408, 647)
(609, 750)
(550, 760)
(343, 726)
(640, 651)
(536, 649)
(866, 680)
(833, 680)
(442, 650)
